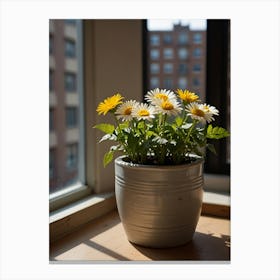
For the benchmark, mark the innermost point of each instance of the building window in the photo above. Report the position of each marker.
(51, 78)
(51, 45)
(196, 82)
(183, 83)
(154, 82)
(183, 53)
(167, 39)
(183, 38)
(51, 120)
(72, 156)
(197, 38)
(154, 68)
(154, 54)
(197, 68)
(197, 52)
(71, 117)
(154, 40)
(168, 83)
(168, 68)
(70, 82)
(51, 163)
(70, 48)
(168, 53)
(182, 69)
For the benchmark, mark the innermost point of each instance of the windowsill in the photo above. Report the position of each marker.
(69, 218)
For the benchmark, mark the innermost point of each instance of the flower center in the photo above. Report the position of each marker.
(161, 96)
(197, 112)
(143, 113)
(127, 111)
(167, 105)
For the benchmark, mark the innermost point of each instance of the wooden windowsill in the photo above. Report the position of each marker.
(104, 239)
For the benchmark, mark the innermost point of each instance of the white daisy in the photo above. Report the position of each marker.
(143, 111)
(124, 111)
(169, 107)
(160, 94)
(201, 112)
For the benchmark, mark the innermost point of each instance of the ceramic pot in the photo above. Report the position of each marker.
(159, 206)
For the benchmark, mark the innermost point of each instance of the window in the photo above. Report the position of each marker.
(183, 38)
(70, 80)
(154, 40)
(183, 53)
(51, 45)
(197, 68)
(168, 83)
(197, 52)
(154, 82)
(72, 158)
(70, 21)
(168, 53)
(154, 68)
(70, 48)
(71, 117)
(154, 54)
(167, 39)
(182, 69)
(168, 68)
(196, 82)
(183, 83)
(51, 78)
(51, 120)
(197, 38)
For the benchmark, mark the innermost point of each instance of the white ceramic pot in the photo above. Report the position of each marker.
(159, 206)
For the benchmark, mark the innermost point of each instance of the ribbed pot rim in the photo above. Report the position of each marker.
(119, 161)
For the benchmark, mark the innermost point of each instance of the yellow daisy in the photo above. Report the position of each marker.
(187, 96)
(109, 104)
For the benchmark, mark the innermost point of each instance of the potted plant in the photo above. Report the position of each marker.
(159, 179)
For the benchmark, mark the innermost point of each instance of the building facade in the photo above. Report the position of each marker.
(177, 59)
(64, 104)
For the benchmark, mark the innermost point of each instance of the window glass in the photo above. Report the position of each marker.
(154, 54)
(168, 53)
(154, 40)
(71, 117)
(183, 38)
(70, 82)
(183, 53)
(196, 82)
(168, 83)
(154, 68)
(183, 83)
(167, 39)
(70, 48)
(197, 52)
(168, 68)
(154, 82)
(197, 68)
(66, 145)
(182, 68)
(197, 38)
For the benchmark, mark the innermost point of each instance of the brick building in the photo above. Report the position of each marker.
(64, 103)
(177, 59)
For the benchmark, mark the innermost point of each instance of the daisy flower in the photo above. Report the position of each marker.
(109, 104)
(169, 107)
(201, 112)
(187, 96)
(124, 111)
(143, 111)
(159, 94)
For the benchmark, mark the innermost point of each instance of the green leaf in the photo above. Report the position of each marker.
(108, 157)
(211, 148)
(105, 127)
(216, 132)
(179, 121)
